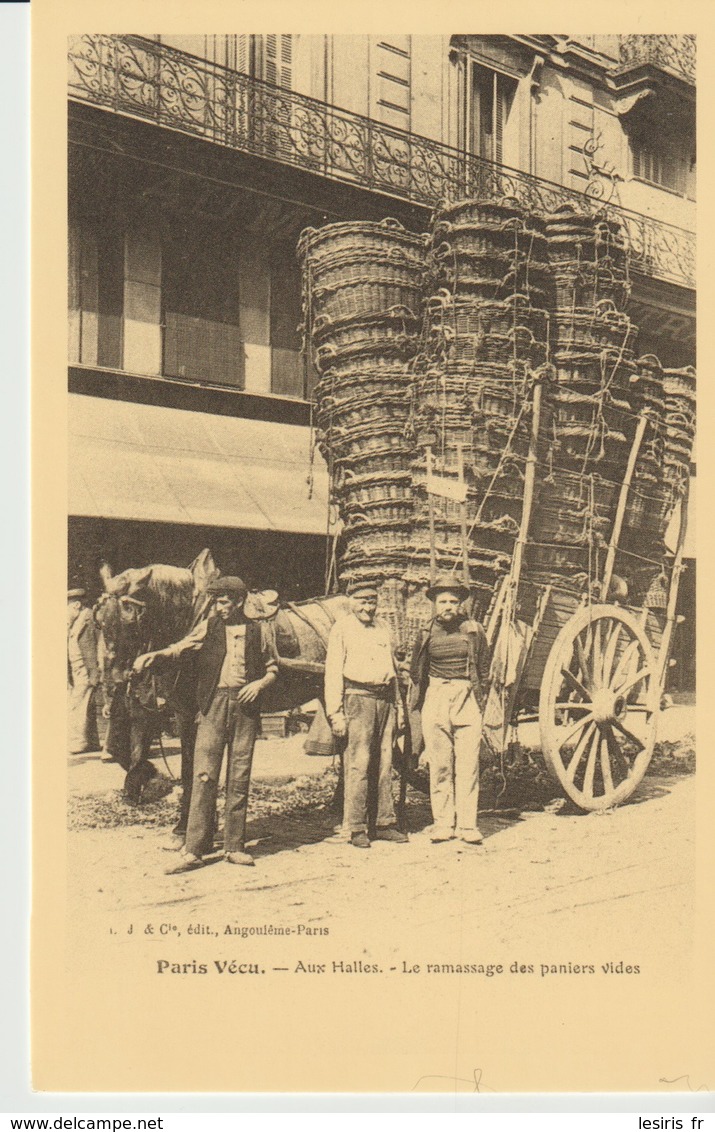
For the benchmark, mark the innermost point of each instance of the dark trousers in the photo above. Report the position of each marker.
(368, 763)
(225, 725)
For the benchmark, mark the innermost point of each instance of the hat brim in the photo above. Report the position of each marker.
(460, 591)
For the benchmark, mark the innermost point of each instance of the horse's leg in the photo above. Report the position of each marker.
(118, 742)
(140, 769)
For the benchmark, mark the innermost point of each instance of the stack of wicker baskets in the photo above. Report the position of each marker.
(588, 423)
(485, 333)
(363, 287)
(428, 351)
(661, 475)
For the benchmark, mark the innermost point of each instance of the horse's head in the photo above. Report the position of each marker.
(121, 621)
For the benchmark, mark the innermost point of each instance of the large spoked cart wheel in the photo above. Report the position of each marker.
(598, 707)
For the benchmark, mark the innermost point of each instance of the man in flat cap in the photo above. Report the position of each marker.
(360, 701)
(82, 674)
(450, 678)
(235, 664)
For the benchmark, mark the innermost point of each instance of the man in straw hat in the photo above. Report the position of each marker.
(450, 676)
(235, 664)
(82, 674)
(360, 701)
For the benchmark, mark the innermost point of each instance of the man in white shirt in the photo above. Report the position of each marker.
(360, 698)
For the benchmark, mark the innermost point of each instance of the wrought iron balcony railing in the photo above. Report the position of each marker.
(674, 53)
(145, 79)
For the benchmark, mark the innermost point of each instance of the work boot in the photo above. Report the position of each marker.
(185, 863)
(471, 836)
(441, 835)
(238, 857)
(360, 840)
(391, 833)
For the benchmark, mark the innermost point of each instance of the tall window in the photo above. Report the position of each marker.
(96, 286)
(287, 371)
(492, 95)
(202, 338)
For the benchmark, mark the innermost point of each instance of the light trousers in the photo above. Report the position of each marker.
(452, 728)
(82, 716)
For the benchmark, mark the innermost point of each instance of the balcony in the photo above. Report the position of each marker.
(143, 79)
(672, 53)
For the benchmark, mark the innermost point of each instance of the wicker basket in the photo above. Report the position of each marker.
(369, 295)
(378, 494)
(344, 266)
(488, 240)
(369, 379)
(375, 461)
(382, 541)
(371, 370)
(376, 239)
(486, 210)
(375, 514)
(389, 351)
(680, 383)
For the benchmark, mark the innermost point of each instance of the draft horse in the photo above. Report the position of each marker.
(141, 610)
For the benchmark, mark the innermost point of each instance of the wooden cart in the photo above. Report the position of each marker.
(592, 673)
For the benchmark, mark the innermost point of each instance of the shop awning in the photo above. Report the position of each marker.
(129, 461)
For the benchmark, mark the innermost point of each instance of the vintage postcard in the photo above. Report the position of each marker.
(365, 462)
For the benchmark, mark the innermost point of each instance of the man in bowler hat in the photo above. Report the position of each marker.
(235, 663)
(450, 678)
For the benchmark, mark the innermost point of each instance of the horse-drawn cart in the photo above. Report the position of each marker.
(482, 409)
(592, 674)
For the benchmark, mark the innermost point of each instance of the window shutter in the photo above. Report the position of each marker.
(500, 113)
(243, 54)
(278, 60)
(286, 61)
(270, 67)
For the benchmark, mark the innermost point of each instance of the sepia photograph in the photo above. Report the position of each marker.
(381, 558)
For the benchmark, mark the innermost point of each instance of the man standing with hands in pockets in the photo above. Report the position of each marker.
(360, 701)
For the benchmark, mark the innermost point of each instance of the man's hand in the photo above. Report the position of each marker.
(339, 725)
(145, 660)
(249, 693)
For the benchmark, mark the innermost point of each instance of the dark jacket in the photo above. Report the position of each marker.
(211, 655)
(478, 668)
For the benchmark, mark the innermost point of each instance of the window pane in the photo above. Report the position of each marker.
(286, 364)
(202, 338)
